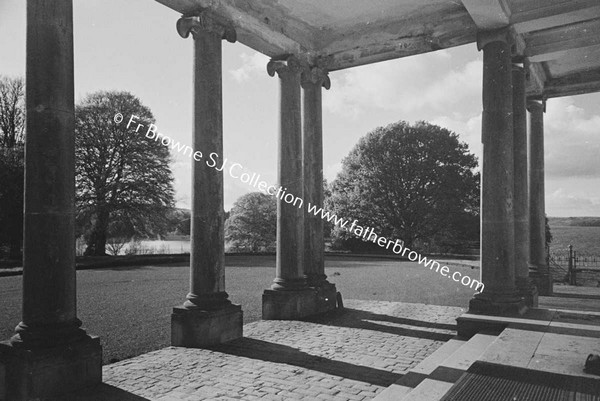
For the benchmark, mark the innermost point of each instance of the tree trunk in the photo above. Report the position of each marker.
(101, 228)
(96, 245)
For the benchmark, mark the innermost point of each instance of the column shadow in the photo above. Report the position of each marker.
(101, 392)
(277, 353)
(360, 319)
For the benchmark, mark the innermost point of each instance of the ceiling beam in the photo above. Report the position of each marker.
(488, 14)
(265, 35)
(393, 39)
(582, 34)
(553, 13)
(575, 84)
(536, 79)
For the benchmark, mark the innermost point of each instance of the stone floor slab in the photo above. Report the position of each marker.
(350, 356)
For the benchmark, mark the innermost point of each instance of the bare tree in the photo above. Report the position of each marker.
(12, 126)
(12, 111)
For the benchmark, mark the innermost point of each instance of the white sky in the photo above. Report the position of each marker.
(133, 45)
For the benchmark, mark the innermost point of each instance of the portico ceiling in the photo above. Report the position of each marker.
(559, 40)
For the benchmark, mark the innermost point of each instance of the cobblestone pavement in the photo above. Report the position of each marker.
(344, 356)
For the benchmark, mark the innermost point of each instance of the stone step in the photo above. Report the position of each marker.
(420, 372)
(429, 364)
(428, 390)
(557, 321)
(464, 357)
(436, 374)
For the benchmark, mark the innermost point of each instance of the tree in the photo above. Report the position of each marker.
(11, 199)
(407, 182)
(12, 126)
(12, 111)
(327, 225)
(252, 223)
(124, 182)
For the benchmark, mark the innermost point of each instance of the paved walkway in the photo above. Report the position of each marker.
(349, 356)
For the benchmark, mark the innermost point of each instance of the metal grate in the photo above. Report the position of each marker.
(490, 382)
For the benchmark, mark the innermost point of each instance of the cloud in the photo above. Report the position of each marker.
(564, 203)
(467, 126)
(409, 86)
(251, 64)
(572, 140)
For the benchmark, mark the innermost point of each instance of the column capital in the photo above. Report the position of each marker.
(205, 23)
(290, 65)
(534, 105)
(518, 67)
(504, 35)
(316, 76)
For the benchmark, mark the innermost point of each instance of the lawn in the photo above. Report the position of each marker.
(129, 308)
(585, 240)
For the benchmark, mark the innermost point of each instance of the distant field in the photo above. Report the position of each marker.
(585, 240)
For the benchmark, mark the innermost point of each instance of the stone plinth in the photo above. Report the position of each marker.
(542, 280)
(40, 373)
(326, 297)
(528, 290)
(499, 305)
(196, 328)
(291, 305)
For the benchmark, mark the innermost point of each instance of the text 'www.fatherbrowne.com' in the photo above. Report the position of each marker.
(237, 171)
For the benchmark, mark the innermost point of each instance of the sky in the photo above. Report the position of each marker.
(133, 45)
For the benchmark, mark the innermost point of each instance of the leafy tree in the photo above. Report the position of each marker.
(252, 223)
(124, 182)
(179, 221)
(407, 182)
(327, 225)
(548, 232)
(12, 128)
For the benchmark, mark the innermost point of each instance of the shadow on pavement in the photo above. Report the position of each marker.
(360, 319)
(101, 392)
(277, 353)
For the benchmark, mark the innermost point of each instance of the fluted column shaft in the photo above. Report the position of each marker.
(537, 207)
(290, 217)
(207, 258)
(497, 213)
(521, 189)
(313, 80)
(49, 288)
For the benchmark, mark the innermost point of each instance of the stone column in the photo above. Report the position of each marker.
(312, 148)
(207, 317)
(497, 214)
(289, 296)
(524, 284)
(49, 341)
(537, 217)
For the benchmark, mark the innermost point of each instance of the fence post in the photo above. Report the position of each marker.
(572, 274)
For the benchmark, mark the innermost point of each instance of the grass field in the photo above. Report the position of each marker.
(585, 240)
(130, 307)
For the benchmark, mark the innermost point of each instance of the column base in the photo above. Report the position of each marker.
(197, 328)
(46, 372)
(527, 289)
(543, 281)
(326, 297)
(290, 305)
(488, 303)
